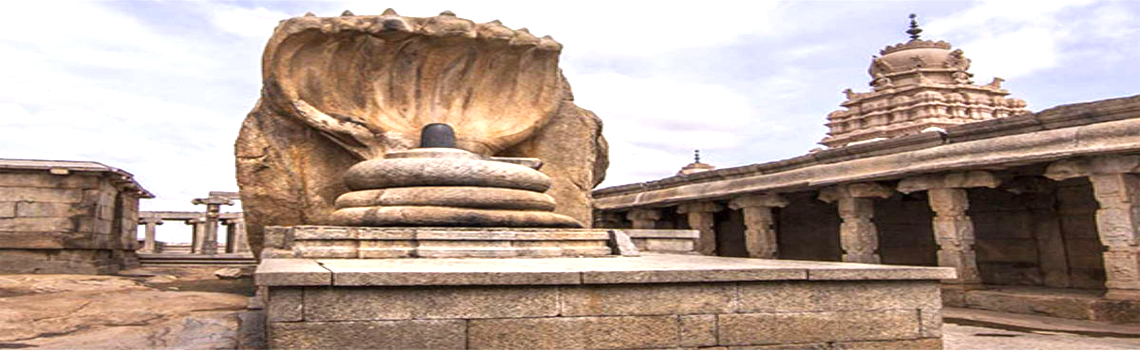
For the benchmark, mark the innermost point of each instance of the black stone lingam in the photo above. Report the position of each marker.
(440, 185)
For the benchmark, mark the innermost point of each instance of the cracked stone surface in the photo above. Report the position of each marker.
(121, 312)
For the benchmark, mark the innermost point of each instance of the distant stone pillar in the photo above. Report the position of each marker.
(700, 215)
(644, 218)
(213, 211)
(760, 233)
(148, 242)
(229, 224)
(953, 229)
(241, 242)
(1116, 185)
(858, 235)
(199, 234)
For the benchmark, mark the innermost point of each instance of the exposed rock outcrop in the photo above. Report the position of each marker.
(340, 90)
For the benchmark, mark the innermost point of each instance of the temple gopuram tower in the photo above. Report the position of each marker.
(917, 85)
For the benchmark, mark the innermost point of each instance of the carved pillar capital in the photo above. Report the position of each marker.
(643, 214)
(1100, 165)
(644, 218)
(699, 207)
(967, 179)
(770, 200)
(854, 190)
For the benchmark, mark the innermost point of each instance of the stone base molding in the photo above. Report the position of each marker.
(857, 234)
(1116, 185)
(953, 229)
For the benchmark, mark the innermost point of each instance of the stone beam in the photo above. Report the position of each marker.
(760, 233)
(1116, 185)
(857, 234)
(700, 215)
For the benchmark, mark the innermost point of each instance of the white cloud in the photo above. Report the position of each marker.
(254, 23)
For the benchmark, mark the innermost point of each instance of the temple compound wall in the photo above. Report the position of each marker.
(67, 217)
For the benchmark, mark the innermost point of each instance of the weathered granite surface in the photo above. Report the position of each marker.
(647, 302)
(319, 112)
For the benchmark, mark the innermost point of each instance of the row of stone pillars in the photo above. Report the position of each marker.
(205, 228)
(1116, 185)
(235, 235)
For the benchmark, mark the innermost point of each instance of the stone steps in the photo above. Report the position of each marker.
(235, 260)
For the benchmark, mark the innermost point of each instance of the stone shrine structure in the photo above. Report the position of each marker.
(443, 248)
(1021, 205)
(67, 217)
(917, 85)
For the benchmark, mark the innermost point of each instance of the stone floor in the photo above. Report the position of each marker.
(188, 308)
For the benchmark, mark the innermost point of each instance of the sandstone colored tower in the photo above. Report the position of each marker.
(917, 85)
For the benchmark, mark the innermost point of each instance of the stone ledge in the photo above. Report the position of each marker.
(648, 268)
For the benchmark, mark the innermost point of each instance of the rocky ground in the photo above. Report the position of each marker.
(190, 308)
(179, 308)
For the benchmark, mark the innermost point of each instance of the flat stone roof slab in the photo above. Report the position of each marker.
(648, 268)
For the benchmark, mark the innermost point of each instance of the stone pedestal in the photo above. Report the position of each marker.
(857, 234)
(953, 229)
(652, 301)
(1116, 185)
(759, 234)
(700, 215)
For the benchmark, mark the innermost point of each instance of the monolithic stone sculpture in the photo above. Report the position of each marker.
(341, 90)
(440, 185)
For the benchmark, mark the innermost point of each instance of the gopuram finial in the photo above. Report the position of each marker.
(696, 156)
(914, 29)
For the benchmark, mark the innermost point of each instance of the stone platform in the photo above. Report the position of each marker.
(1076, 304)
(618, 302)
(323, 242)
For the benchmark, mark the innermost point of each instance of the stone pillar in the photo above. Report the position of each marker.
(1116, 185)
(760, 233)
(700, 215)
(240, 242)
(644, 218)
(198, 237)
(148, 243)
(213, 210)
(229, 224)
(857, 234)
(1040, 196)
(953, 229)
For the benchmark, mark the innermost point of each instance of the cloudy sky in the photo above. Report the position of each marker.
(159, 89)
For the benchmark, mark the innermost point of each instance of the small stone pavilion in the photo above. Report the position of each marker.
(67, 217)
(1038, 212)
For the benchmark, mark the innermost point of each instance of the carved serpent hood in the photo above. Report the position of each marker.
(370, 83)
